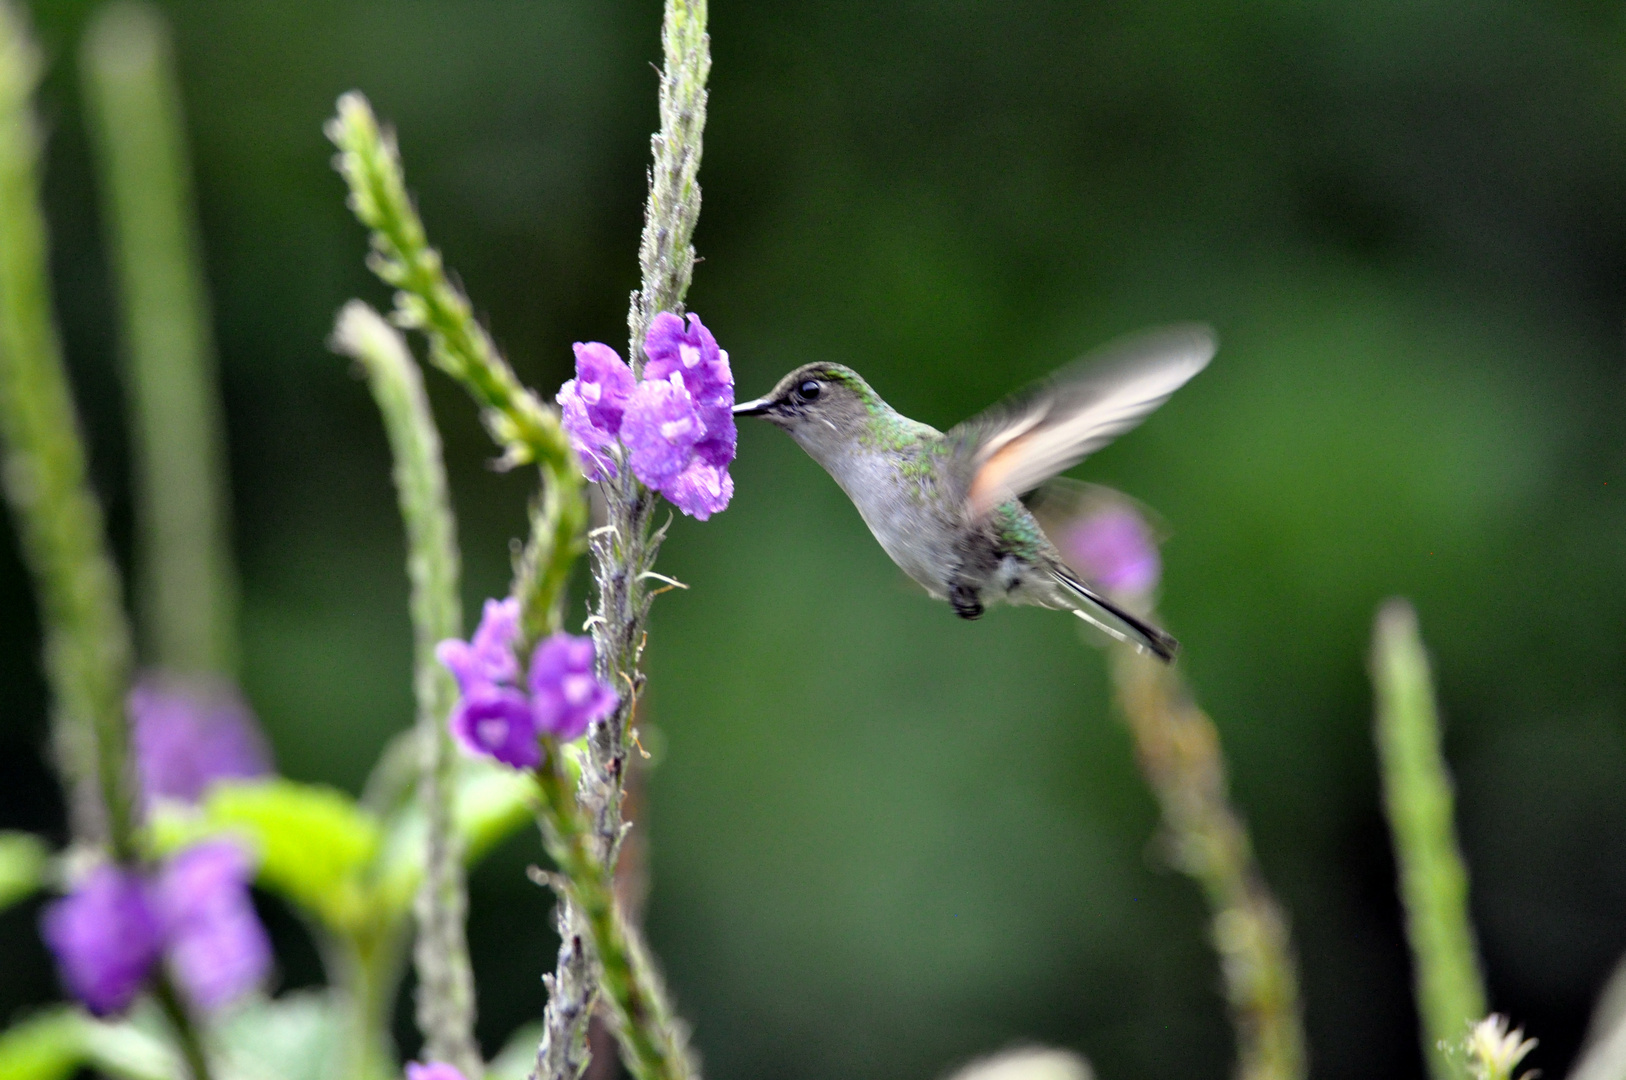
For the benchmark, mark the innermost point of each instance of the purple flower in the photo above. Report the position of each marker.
(1115, 549)
(487, 659)
(565, 694)
(435, 1070)
(185, 736)
(217, 949)
(106, 935)
(592, 404)
(661, 428)
(497, 722)
(677, 425)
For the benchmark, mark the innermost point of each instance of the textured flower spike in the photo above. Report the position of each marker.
(186, 736)
(566, 696)
(592, 404)
(106, 935)
(216, 947)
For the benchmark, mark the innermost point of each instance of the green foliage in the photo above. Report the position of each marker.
(22, 866)
(54, 1045)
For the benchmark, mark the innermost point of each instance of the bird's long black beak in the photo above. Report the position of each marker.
(752, 408)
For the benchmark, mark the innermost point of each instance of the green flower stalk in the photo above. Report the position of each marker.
(527, 429)
(186, 587)
(1179, 751)
(445, 1003)
(1107, 539)
(87, 642)
(1433, 881)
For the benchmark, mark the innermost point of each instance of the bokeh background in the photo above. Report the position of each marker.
(883, 839)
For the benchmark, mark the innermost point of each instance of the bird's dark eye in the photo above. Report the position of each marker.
(809, 390)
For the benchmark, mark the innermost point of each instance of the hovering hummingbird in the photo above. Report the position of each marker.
(946, 507)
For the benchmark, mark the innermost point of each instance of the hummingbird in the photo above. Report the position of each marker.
(946, 506)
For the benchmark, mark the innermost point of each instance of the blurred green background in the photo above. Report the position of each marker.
(884, 839)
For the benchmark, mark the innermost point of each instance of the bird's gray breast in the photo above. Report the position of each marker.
(907, 511)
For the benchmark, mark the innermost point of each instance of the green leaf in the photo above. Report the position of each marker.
(23, 858)
(315, 844)
(48, 1046)
(295, 1037)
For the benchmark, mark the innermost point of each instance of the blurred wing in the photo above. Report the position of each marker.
(1036, 433)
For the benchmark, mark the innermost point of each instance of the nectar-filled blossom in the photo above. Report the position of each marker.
(592, 405)
(677, 425)
(216, 947)
(487, 659)
(566, 696)
(498, 717)
(187, 735)
(106, 935)
(497, 722)
(1115, 549)
(434, 1070)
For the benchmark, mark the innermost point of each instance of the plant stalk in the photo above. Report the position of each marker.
(1433, 880)
(446, 996)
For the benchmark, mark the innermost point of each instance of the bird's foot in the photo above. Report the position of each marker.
(966, 604)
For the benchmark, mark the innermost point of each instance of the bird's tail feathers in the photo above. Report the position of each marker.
(1100, 612)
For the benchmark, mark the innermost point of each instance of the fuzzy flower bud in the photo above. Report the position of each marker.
(106, 935)
(186, 736)
(566, 696)
(1494, 1051)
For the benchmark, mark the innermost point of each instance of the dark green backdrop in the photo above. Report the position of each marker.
(885, 839)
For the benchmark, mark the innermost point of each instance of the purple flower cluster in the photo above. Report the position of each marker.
(1115, 549)
(115, 926)
(502, 719)
(677, 425)
(186, 736)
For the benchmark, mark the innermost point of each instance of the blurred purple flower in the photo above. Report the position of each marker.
(434, 1070)
(566, 695)
(1115, 549)
(217, 949)
(185, 736)
(497, 722)
(592, 404)
(487, 659)
(106, 935)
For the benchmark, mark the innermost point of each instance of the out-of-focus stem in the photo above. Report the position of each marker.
(87, 642)
(1433, 881)
(1179, 752)
(187, 584)
(445, 977)
(188, 1039)
(527, 429)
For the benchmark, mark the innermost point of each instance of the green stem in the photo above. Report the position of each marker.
(187, 584)
(1179, 751)
(87, 642)
(441, 955)
(654, 1044)
(187, 1037)
(1433, 881)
